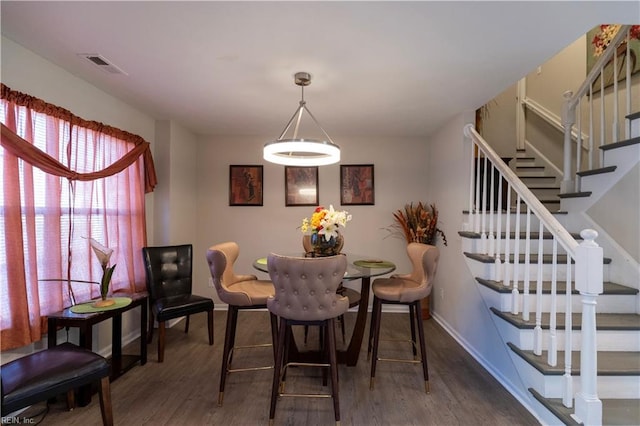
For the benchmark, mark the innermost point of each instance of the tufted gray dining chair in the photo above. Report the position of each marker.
(305, 294)
(405, 289)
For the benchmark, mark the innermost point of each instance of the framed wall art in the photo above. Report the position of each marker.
(245, 185)
(356, 184)
(301, 186)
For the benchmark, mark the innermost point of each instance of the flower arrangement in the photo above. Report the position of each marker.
(607, 32)
(325, 222)
(104, 256)
(418, 223)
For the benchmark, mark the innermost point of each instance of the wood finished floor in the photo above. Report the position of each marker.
(184, 389)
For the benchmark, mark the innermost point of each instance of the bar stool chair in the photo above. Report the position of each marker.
(239, 292)
(305, 294)
(405, 289)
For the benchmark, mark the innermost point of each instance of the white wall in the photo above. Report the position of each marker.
(400, 176)
(457, 303)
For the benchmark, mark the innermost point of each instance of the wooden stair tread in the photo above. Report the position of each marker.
(615, 412)
(627, 142)
(598, 171)
(608, 287)
(533, 258)
(610, 363)
(575, 194)
(604, 321)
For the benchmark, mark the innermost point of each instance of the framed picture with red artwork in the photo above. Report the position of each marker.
(245, 185)
(357, 184)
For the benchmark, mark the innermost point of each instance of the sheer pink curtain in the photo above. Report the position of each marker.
(45, 217)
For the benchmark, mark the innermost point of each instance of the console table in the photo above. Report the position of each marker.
(85, 321)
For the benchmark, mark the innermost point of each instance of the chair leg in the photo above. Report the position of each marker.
(377, 311)
(274, 335)
(232, 317)
(71, 399)
(186, 325)
(161, 336)
(413, 318)
(341, 319)
(275, 385)
(105, 402)
(150, 330)
(372, 327)
(306, 333)
(423, 347)
(210, 326)
(333, 366)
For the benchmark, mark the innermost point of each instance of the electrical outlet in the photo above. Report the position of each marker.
(442, 293)
(210, 282)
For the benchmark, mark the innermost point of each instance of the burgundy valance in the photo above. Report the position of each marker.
(36, 157)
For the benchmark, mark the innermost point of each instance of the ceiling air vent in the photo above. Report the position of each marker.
(103, 63)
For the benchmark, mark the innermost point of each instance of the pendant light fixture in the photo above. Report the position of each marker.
(296, 151)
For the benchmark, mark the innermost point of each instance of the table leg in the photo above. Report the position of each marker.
(86, 341)
(350, 357)
(116, 346)
(144, 307)
(52, 333)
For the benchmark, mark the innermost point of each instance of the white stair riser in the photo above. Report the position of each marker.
(635, 127)
(606, 303)
(487, 271)
(551, 386)
(607, 340)
(534, 223)
(475, 245)
(546, 193)
(622, 156)
(530, 173)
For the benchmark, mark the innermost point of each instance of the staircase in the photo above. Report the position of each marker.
(513, 264)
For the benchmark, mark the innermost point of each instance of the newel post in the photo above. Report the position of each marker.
(588, 266)
(568, 120)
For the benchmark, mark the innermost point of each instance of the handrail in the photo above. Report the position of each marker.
(595, 71)
(514, 268)
(566, 240)
(573, 106)
(551, 118)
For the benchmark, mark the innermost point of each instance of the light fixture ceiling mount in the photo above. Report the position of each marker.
(296, 151)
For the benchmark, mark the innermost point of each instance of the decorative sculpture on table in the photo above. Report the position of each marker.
(104, 256)
(323, 230)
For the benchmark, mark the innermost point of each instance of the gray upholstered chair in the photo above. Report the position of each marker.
(308, 248)
(58, 370)
(305, 294)
(239, 292)
(405, 289)
(169, 270)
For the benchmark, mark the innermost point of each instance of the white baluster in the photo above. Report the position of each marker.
(567, 395)
(589, 283)
(483, 235)
(491, 238)
(476, 226)
(515, 295)
(470, 222)
(497, 270)
(506, 269)
(553, 343)
(527, 254)
(537, 331)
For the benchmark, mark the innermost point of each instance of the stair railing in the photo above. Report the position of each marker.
(507, 193)
(599, 109)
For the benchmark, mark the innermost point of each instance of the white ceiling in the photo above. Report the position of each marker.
(379, 68)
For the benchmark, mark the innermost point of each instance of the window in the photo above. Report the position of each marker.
(44, 216)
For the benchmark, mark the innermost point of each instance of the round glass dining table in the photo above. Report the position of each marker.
(359, 267)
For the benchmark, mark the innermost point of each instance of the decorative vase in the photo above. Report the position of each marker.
(104, 302)
(326, 247)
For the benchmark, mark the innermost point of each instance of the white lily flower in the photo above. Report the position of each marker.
(103, 253)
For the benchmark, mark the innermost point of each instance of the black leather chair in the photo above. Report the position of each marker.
(169, 270)
(52, 372)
